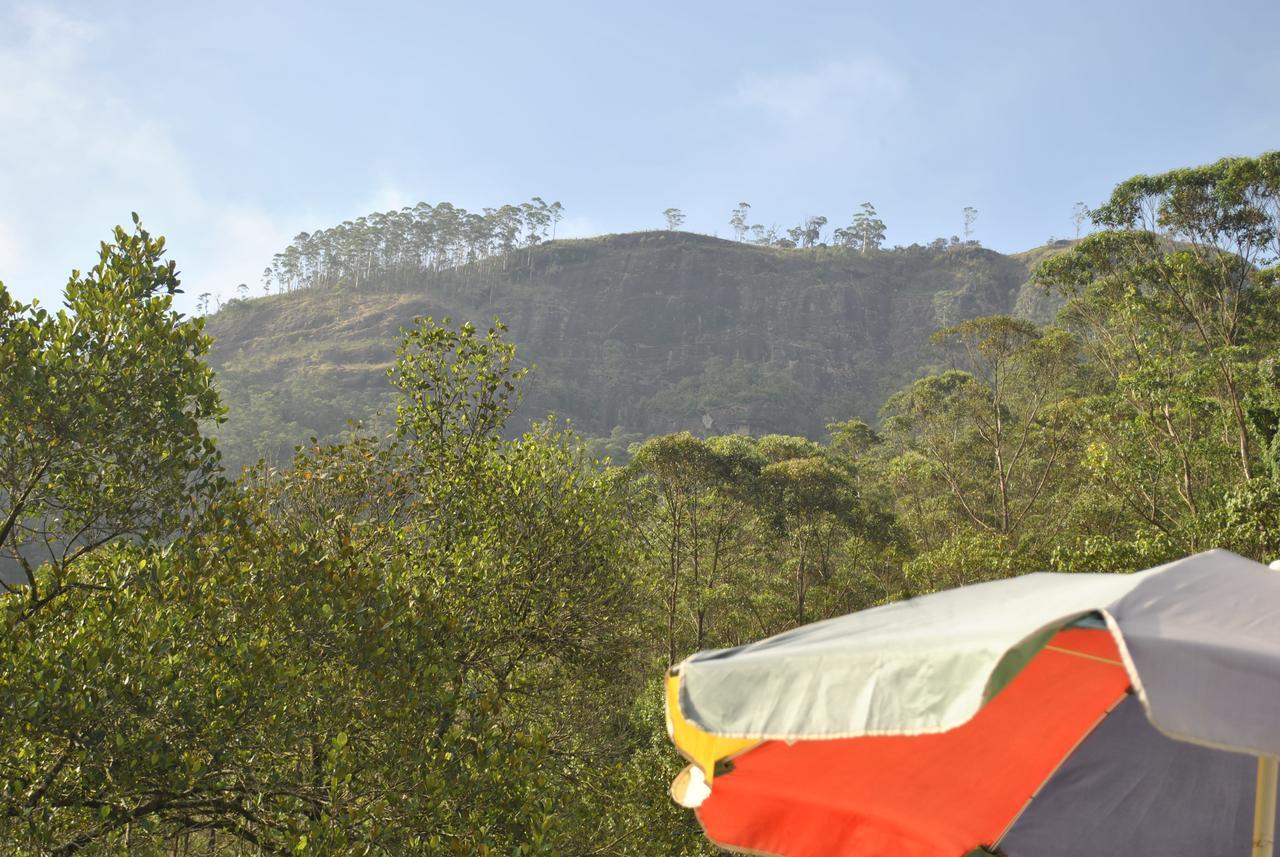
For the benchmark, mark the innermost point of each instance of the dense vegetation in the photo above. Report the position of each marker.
(389, 248)
(446, 636)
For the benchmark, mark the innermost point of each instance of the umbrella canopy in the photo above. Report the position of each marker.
(1050, 714)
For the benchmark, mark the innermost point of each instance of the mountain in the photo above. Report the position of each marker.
(631, 335)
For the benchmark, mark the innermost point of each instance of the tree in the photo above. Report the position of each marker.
(369, 652)
(766, 237)
(995, 437)
(678, 469)
(970, 217)
(867, 230)
(556, 212)
(852, 437)
(1079, 215)
(738, 220)
(811, 231)
(1175, 300)
(674, 217)
(813, 505)
(457, 390)
(398, 247)
(101, 406)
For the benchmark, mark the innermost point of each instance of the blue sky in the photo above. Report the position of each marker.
(230, 131)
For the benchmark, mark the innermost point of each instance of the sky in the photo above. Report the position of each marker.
(231, 127)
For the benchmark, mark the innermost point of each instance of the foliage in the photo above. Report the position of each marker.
(999, 434)
(440, 597)
(1175, 313)
(866, 232)
(100, 410)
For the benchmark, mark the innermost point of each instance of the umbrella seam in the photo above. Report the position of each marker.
(1084, 736)
(946, 726)
(1132, 669)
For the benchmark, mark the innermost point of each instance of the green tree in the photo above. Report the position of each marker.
(398, 646)
(813, 505)
(101, 406)
(674, 218)
(970, 218)
(853, 438)
(738, 220)
(1196, 247)
(995, 436)
(1175, 305)
(866, 232)
(678, 471)
(1080, 214)
(811, 231)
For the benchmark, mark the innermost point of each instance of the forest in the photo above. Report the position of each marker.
(447, 634)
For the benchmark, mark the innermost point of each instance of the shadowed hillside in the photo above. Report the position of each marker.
(633, 334)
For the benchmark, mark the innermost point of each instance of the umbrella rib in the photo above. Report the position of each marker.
(1083, 737)
(1112, 661)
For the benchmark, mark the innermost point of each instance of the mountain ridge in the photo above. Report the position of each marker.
(632, 334)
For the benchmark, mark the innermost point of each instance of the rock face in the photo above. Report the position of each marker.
(639, 333)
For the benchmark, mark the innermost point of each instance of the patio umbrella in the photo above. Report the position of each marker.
(1048, 715)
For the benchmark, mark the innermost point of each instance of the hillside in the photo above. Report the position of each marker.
(631, 334)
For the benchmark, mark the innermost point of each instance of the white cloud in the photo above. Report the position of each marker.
(579, 227)
(836, 88)
(80, 157)
(388, 197)
(244, 240)
(847, 108)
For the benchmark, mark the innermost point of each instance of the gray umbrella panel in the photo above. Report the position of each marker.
(1202, 645)
(1200, 638)
(1143, 795)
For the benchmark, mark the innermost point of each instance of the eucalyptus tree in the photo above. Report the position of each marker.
(556, 212)
(811, 231)
(765, 236)
(394, 247)
(812, 505)
(1175, 302)
(537, 219)
(738, 220)
(674, 218)
(1079, 216)
(852, 438)
(674, 472)
(866, 232)
(997, 435)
